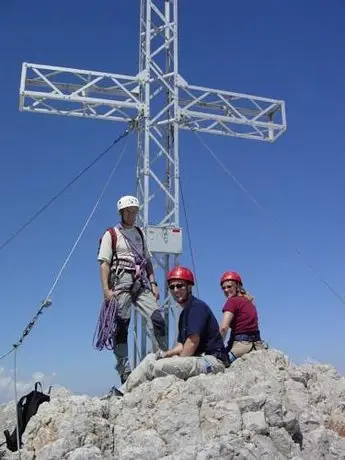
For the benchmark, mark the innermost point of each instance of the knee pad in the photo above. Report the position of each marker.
(158, 323)
(121, 330)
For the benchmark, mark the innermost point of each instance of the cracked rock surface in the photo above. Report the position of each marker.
(263, 407)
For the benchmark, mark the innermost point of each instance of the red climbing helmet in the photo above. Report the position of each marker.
(181, 273)
(231, 276)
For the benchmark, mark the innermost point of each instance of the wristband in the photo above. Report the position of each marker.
(154, 282)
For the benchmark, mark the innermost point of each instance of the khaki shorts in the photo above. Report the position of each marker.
(241, 348)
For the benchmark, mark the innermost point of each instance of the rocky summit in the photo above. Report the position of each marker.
(263, 407)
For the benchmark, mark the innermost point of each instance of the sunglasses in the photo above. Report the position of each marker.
(177, 286)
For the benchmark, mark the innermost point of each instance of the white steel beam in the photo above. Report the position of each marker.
(230, 114)
(80, 93)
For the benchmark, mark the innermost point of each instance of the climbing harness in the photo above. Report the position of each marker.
(247, 337)
(250, 337)
(139, 260)
(113, 234)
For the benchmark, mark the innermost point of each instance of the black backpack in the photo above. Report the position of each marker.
(27, 407)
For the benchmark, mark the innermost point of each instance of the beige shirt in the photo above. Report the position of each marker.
(125, 254)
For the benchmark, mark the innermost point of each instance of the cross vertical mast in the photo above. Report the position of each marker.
(159, 102)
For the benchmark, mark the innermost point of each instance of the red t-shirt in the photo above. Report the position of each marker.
(245, 315)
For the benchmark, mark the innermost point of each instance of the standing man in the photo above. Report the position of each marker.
(127, 276)
(199, 348)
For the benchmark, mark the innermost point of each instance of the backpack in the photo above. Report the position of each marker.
(27, 407)
(113, 235)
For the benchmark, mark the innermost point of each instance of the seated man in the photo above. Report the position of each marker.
(199, 348)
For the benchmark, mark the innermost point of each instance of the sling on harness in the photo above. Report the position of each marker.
(26, 408)
(139, 260)
(113, 235)
(107, 320)
(248, 337)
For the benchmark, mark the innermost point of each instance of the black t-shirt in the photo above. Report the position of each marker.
(197, 318)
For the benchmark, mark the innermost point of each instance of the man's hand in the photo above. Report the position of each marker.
(151, 277)
(155, 291)
(108, 295)
(174, 351)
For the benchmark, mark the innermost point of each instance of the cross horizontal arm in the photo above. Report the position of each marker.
(231, 114)
(79, 93)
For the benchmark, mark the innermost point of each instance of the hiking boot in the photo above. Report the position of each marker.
(124, 376)
(114, 392)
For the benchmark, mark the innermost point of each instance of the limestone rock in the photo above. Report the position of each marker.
(262, 407)
(255, 421)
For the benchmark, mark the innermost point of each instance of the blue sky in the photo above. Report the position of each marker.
(285, 50)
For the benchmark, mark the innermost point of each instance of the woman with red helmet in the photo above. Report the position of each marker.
(239, 314)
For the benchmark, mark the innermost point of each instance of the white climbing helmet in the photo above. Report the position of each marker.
(127, 201)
